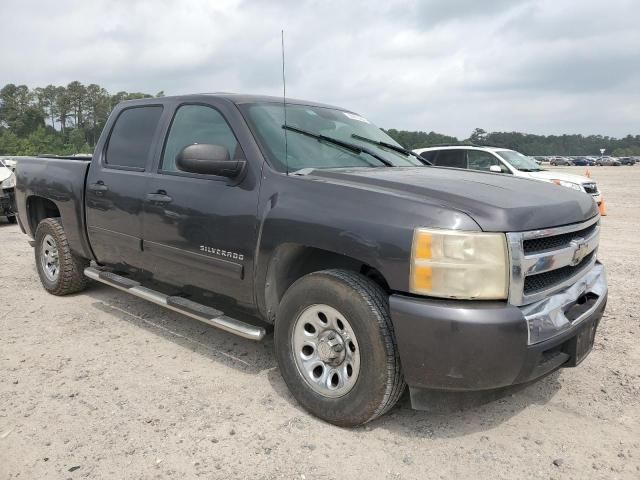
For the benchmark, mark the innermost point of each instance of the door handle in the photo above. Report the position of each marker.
(98, 187)
(159, 197)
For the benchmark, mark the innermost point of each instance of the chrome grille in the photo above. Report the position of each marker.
(542, 281)
(563, 240)
(544, 262)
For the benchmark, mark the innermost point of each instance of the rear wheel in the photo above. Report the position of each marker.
(61, 272)
(336, 347)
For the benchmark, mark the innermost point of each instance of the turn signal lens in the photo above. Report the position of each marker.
(454, 264)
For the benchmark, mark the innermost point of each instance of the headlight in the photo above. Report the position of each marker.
(564, 183)
(454, 264)
(9, 182)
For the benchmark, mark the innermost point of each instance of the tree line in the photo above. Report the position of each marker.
(68, 119)
(60, 120)
(527, 143)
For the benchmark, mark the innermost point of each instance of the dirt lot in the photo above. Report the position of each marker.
(104, 385)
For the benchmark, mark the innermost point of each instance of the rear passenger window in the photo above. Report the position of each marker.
(131, 137)
(451, 158)
(198, 124)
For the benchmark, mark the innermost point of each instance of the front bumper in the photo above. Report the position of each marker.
(484, 345)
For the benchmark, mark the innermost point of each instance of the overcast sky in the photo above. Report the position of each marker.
(559, 66)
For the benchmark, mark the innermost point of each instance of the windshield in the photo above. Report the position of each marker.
(519, 161)
(303, 151)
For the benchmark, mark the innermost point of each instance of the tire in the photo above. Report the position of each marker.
(12, 219)
(362, 310)
(70, 268)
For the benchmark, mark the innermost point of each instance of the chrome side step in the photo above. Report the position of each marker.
(205, 314)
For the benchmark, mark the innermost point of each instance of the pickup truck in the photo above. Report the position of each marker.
(374, 269)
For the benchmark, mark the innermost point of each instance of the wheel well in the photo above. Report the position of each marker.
(291, 262)
(39, 208)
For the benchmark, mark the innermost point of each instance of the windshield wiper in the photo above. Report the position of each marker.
(334, 141)
(393, 147)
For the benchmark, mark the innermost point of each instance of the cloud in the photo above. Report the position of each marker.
(539, 66)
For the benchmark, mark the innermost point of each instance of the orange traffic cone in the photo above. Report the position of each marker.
(602, 208)
(587, 173)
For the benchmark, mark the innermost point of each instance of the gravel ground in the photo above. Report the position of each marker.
(104, 385)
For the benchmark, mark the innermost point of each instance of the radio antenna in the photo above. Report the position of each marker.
(284, 105)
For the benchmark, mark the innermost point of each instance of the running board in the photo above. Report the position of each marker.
(187, 307)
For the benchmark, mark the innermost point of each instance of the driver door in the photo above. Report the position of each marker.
(200, 230)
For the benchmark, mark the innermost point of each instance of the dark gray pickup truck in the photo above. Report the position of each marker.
(375, 270)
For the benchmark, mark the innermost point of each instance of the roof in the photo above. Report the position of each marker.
(237, 98)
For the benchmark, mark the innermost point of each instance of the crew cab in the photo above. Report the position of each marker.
(503, 160)
(375, 269)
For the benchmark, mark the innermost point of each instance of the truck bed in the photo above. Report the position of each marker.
(58, 181)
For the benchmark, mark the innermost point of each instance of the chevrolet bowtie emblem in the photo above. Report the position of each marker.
(580, 250)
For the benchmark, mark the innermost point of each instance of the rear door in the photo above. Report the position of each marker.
(115, 187)
(201, 230)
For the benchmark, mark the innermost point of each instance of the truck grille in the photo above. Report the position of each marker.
(542, 281)
(563, 240)
(590, 188)
(544, 262)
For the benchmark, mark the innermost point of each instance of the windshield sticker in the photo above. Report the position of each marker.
(353, 116)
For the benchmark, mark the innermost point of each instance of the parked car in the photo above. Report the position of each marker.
(7, 188)
(560, 162)
(502, 160)
(376, 269)
(9, 162)
(627, 161)
(583, 162)
(608, 162)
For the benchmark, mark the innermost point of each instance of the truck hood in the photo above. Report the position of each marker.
(549, 175)
(5, 173)
(498, 203)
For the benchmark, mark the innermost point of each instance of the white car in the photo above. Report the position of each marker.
(7, 187)
(503, 160)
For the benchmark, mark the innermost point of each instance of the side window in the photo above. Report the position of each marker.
(131, 137)
(479, 160)
(451, 158)
(429, 156)
(197, 124)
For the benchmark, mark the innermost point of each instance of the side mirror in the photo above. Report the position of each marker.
(207, 159)
(495, 169)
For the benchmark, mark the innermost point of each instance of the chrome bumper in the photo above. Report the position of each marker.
(546, 318)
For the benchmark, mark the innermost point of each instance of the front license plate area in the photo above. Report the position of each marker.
(581, 344)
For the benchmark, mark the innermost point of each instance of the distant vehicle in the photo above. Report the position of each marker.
(560, 162)
(608, 162)
(7, 188)
(503, 160)
(9, 162)
(583, 162)
(627, 161)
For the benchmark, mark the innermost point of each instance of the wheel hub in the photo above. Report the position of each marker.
(331, 348)
(326, 351)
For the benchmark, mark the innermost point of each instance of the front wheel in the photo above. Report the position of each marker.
(61, 272)
(336, 348)
(12, 219)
